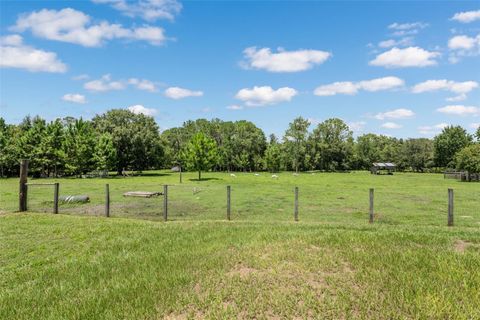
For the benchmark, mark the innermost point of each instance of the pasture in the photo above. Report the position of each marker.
(330, 264)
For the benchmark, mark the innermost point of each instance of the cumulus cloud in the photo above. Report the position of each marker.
(351, 88)
(75, 98)
(432, 130)
(460, 88)
(357, 126)
(139, 109)
(105, 83)
(460, 110)
(475, 125)
(180, 93)
(149, 10)
(404, 42)
(463, 46)
(73, 26)
(143, 84)
(234, 107)
(261, 96)
(400, 113)
(283, 61)
(391, 125)
(81, 77)
(15, 54)
(467, 16)
(407, 57)
(402, 29)
(463, 42)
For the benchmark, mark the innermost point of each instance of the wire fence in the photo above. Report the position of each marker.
(258, 202)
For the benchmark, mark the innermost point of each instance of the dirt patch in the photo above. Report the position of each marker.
(461, 245)
(190, 313)
(242, 271)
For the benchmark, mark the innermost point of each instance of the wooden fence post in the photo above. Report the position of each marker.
(107, 200)
(450, 207)
(295, 213)
(22, 195)
(55, 197)
(228, 202)
(165, 202)
(180, 174)
(371, 205)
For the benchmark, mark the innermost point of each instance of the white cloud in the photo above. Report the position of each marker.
(403, 29)
(105, 83)
(407, 26)
(75, 98)
(463, 46)
(460, 88)
(460, 110)
(467, 16)
(395, 114)
(356, 126)
(81, 77)
(407, 57)
(14, 40)
(345, 87)
(459, 97)
(407, 41)
(180, 93)
(352, 88)
(463, 42)
(143, 84)
(260, 96)
(235, 107)
(283, 61)
(69, 25)
(475, 125)
(15, 54)
(432, 130)
(391, 125)
(139, 109)
(149, 10)
(443, 84)
(314, 121)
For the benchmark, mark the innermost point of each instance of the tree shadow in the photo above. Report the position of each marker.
(204, 179)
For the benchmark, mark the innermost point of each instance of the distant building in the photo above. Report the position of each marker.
(379, 167)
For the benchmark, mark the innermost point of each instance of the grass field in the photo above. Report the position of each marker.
(331, 264)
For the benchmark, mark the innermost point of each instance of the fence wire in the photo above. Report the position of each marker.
(267, 200)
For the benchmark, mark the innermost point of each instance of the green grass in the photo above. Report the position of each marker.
(331, 264)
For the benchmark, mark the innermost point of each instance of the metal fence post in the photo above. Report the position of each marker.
(295, 213)
(55, 197)
(371, 205)
(165, 202)
(107, 200)
(450, 207)
(228, 202)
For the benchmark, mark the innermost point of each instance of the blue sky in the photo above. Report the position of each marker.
(404, 69)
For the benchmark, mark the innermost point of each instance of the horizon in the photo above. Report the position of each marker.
(406, 71)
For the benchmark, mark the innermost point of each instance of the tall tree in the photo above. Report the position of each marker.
(136, 139)
(468, 159)
(79, 145)
(50, 151)
(417, 153)
(104, 155)
(333, 144)
(200, 153)
(295, 142)
(448, 143)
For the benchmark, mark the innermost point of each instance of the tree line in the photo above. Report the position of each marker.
(120, 140)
